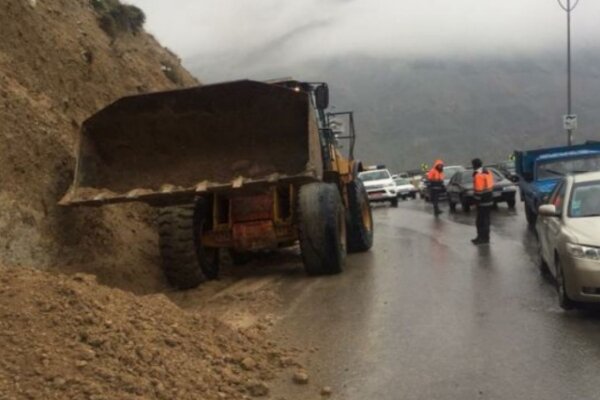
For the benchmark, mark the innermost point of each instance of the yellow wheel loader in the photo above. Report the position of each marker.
(245, 166)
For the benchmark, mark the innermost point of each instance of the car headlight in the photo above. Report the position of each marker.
(511, 188)
(390, 186)
(578, 251)
(470, 193)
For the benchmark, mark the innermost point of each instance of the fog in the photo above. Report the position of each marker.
(249, 35)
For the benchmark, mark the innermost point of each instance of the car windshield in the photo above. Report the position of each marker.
(467, 176)
(585, 200)
(497, 175)
(450, 171)
(558, 168)
(509, 165)
(374, 175)
(401, 181)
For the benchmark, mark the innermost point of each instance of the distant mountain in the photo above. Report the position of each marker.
(413, 111)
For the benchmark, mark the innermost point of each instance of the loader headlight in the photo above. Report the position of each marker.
(587, 252)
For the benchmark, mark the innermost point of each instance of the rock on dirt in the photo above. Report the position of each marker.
(300, 377)
(326, 391)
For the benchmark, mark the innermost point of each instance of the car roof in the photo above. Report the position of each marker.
(587, 177)
(470, 171)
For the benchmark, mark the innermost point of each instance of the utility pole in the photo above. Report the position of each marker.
(570, 120)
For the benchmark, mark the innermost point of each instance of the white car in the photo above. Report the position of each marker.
(404, 188)
(380, 186)
(568, 228)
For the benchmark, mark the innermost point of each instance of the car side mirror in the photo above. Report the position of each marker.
(514, 179)
(548, 210)
(546, 199)
(322, 96)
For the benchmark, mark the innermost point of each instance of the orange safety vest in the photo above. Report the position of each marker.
(434, 175)
(483, 186)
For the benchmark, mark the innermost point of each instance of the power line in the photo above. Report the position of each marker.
(567, 8)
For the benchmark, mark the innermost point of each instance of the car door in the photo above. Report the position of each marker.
(453, 188)
(554, 224)
(542, 227)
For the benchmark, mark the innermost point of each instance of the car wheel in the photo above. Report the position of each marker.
(542, 265)
(395, 202)
(530, 215)
(465, 204)
(511, 204)
(452, 206)
(563, 298)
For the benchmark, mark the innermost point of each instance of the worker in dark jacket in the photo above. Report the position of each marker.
(483, 187)
(435, 178)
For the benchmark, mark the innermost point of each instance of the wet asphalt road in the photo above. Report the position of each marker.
(427, 315)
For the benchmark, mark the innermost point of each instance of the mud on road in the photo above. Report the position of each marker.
(66, 336)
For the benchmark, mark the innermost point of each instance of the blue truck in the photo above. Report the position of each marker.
(540, 170)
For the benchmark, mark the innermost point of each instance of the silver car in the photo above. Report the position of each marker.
(569, 237)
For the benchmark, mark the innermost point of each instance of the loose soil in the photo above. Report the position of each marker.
(67, 337)
(85, 312)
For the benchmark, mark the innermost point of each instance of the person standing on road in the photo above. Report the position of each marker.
(483, 186)
(435, 178)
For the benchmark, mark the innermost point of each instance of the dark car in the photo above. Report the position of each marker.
(460, 190)
(449, 172)
(509, 170)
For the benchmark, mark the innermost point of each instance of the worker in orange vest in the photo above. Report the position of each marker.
(483, 187)
(435, 178)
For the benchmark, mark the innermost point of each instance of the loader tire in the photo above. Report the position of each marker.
(321, 229)
(359, 222)
(185, 262)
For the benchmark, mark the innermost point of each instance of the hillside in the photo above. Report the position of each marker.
(57, 66)
(410, 111)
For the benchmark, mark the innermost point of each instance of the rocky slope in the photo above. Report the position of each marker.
(57, 66)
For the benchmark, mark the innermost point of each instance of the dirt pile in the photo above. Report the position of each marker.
(64, 332)
(67, 337)
(57, 66)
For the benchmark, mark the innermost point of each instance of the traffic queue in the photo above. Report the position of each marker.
(560, 189)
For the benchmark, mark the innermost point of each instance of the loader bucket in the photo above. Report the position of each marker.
(168, 147)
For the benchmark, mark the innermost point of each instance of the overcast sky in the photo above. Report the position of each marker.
(257, 32)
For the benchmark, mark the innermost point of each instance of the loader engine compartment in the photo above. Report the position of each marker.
(252, 221)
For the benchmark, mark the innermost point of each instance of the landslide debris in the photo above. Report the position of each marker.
(83, 309)
(57, 67)
(64, 337)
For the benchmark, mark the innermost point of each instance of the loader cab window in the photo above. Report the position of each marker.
(322, 96)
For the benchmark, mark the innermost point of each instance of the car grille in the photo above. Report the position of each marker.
(375, 187)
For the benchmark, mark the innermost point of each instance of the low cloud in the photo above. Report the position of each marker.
(267, 32)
